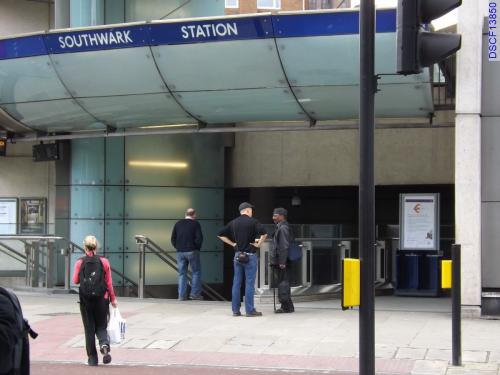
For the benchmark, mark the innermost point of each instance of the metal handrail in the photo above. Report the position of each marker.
(71, 248)
(118, 273)
(10, 251)
(144, 243)
(28, 238)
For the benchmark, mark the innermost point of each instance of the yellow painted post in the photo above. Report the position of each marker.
(446, 278)
(351, 275)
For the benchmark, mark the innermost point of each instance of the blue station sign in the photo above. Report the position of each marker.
(194, 31)
(212, 30)
(95, 40)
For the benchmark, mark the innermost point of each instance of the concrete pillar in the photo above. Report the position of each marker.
(61, 14)
(468, 152)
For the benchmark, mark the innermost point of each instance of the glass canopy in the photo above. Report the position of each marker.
(283, 67)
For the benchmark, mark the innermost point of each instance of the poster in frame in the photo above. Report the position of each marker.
(32, 216)
(8, 216)
(419, 222)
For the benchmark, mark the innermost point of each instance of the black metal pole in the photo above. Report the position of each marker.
(456, 318)
(367, 188)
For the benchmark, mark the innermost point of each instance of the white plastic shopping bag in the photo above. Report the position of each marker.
(116, 326)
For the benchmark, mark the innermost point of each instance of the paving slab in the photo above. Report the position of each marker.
(473, 369)
(162, 344)
(429, 368)
(494, 357)
(474, 356)
(411, 353)
(439, 354)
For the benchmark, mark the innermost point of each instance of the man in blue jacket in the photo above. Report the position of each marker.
(187, 239)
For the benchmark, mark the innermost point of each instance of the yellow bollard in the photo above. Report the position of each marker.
(446, 278)
(351, 272)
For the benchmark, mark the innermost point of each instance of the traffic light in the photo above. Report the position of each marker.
(418, 48)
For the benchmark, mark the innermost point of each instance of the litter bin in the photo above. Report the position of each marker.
(408, 270)
(430, 275)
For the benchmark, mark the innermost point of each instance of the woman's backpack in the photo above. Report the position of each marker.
(92, 282)
(14, 331)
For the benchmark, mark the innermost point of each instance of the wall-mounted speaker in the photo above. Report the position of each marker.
(46, 152)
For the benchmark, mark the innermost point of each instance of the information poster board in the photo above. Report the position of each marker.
(419, 222)
(8, 216)
(33, 216)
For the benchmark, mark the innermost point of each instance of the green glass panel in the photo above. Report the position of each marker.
(95, 73)
(160, 231)
(87, 161)
(29, 79)
(137, 110)
(212, 267)
(242, 105)
(171, 203)
(87, 202)
(116, 263)
(114, 202)
(52, 116)
(393, 100)
(157, 272)
(180, 65)
(115, 155)
(169, 160)
(336, 60)
(113, 230)
(160, 273)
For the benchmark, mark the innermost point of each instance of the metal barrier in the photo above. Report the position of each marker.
(39, 257)
(444, 78)
(301, 272)
(144, 245)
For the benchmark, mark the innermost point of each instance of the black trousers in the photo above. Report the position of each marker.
(95, 314)
(287, 304)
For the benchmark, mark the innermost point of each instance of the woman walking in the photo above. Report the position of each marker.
(93, 273)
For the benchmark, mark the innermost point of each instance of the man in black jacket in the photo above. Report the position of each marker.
(187, 239)
(281, 243)
(245, 235)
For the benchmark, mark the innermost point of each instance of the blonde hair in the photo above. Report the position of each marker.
(90, 243)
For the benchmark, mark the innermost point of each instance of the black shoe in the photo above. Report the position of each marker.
(92, 361)
(106, 358)
(237, 313)
(197, 298)
(254, 313)
(282, 311)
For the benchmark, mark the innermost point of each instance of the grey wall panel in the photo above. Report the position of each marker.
(490, 84)
(490, 244)
(490, 159)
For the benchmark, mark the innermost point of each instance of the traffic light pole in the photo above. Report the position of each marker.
(367, 188)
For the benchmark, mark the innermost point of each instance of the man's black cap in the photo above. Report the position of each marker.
(280, 211)
(244, 205)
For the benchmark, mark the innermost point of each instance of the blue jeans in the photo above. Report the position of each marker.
(248, 271)
(185, 258)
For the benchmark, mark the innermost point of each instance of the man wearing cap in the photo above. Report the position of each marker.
(245, 235)
(282, 239)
